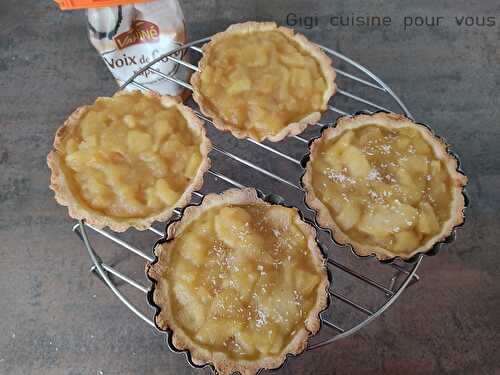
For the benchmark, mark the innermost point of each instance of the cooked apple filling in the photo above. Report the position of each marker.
(383, 187)
(130, 156)
(261, 82)
(242, 279)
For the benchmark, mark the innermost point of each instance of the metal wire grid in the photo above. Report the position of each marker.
(404, 274)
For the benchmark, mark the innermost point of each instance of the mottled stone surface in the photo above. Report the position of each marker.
(55, 318)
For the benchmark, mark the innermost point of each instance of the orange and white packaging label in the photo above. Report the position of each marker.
(129, 36)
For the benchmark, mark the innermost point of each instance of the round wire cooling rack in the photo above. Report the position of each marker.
(362, 288)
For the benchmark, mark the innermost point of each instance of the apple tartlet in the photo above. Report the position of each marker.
(385, 185)
(262, 81)
(128, 160)
(239, 282)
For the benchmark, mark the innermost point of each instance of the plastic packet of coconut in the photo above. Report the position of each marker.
(128, 37)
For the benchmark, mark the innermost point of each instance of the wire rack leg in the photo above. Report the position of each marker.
(81, 232)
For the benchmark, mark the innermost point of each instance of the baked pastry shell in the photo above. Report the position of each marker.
(291, 129)
(65, 197)
(179, 342)
(459, 201)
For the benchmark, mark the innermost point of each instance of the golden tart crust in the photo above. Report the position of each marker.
(297, 122)
(67, 189)
(168, 277)
(441, 161)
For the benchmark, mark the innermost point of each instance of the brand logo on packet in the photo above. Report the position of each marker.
(139, 32)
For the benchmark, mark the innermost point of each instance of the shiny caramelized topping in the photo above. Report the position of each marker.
(261, 82)
(130, 156)
(383, 187)
(242, 279)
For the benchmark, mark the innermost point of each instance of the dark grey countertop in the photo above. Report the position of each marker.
(56, 318)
